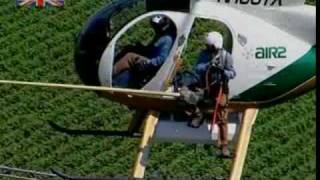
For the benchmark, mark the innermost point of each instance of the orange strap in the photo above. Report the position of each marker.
(216, 109)
(40, 3)
(216, 100)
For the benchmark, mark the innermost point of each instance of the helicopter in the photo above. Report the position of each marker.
(274, 57)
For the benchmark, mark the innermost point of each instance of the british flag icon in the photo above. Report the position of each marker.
(40, 3)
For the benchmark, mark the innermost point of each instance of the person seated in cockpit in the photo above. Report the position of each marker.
(151, 57)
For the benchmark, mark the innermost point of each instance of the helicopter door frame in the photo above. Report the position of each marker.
(107, 58)
(222, 21)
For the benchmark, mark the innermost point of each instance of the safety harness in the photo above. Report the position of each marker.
(215, 79)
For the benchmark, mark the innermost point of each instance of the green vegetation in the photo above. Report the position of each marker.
(38, 45)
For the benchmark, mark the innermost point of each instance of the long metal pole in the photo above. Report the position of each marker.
(26, 171)
(94, 88)
(16, 177)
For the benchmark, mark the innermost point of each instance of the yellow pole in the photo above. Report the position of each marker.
(95, 88)
(247, 122)
(144, 148)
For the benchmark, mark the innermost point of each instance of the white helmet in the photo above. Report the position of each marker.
(214, 38)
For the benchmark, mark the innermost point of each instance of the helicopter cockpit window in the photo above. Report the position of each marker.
(98, 32)
(141, 51)
(200, 28)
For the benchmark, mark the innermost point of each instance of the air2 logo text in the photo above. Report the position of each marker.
(253, 2)
(271, 52)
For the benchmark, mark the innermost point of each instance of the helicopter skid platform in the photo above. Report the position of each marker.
(173, 127)
(167, 127)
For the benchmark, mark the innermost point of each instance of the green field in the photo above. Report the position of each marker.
(38, 45)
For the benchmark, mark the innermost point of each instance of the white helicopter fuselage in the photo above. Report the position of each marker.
(273, 47)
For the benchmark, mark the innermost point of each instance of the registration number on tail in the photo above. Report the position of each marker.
(253, 2)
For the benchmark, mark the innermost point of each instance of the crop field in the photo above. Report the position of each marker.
(38, 45)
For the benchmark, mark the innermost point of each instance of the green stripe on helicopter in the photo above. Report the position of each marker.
(287, 79)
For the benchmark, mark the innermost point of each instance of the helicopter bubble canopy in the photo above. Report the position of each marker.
(156, 82)
(102, 27)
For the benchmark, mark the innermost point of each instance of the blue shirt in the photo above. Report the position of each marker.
(161, 50)
(204, 61)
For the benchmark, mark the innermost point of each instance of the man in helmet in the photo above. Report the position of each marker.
(151, 57)
(212, 71)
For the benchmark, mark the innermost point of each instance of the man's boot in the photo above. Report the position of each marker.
(225, 152)
(197, 119)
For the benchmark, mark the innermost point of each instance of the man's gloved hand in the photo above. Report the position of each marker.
(227, 74)
(189, 96)
(141, 65)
